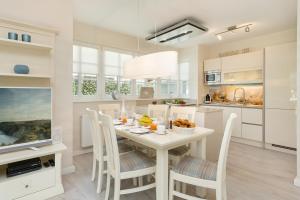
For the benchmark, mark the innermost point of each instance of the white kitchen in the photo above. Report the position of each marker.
(149, 99)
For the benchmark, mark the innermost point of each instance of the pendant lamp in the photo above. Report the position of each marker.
(151, 66)
(161, 64)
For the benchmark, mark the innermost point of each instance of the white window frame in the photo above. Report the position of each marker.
(100, 94)
(120, 51)
(81, 97)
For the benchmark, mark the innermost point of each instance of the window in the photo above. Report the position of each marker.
(184, 70)
(95, 79)
(85, 71)
(144, 83)
(168, 88)
(113, 81)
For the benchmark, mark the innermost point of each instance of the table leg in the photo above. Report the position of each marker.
(162, 174)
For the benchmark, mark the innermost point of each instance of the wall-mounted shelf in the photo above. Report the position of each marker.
(16, 43)
(25, 75)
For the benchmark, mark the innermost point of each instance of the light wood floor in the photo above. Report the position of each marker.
(252, 174)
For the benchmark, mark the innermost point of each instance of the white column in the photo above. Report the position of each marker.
(297, 179)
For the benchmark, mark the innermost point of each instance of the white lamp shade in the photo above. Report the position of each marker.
(151, 66)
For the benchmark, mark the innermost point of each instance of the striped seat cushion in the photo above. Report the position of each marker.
(196, 167)
(135, 160)
(179, 151)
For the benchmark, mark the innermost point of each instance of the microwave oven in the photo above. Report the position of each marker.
(212, 77)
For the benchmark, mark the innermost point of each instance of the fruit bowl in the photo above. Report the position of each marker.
(183, 130)
(184, 126)
(145, 121)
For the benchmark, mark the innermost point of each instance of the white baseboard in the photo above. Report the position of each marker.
(83, 151)
(297, 181)
(68, 170)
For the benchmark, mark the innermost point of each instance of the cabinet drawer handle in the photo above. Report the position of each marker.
(26, 186)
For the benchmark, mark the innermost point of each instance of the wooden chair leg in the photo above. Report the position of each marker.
(117, 189)
(171, 185)
(100, 176)
(94, 169)
(107, 187)
(224, 191)
(219, 194)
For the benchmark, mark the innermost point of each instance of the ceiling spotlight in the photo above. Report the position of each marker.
(233, 29)
(247, 29)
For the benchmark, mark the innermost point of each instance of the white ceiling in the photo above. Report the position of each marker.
(122, 16)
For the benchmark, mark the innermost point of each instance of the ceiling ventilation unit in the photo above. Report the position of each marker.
(178, 32)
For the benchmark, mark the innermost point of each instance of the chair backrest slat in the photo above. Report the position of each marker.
(221, 173)
(113, 110)
(184, 112)
(97, 135)
(111, 143)
(158, 111)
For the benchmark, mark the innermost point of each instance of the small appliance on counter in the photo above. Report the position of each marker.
(208, 99)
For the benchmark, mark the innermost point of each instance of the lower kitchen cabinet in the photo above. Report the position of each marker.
(252, 132)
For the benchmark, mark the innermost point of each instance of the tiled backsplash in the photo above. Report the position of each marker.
(225, 93)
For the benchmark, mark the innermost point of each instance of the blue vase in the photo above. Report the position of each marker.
(12, 36)
(21, 69)
(26, 38)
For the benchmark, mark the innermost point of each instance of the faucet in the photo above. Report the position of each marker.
(244, 95)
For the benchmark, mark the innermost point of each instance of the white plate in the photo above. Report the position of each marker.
(117, 122)
(139, 130)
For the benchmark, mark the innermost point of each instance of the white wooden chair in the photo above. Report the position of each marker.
(99, 152)
(184, 112)
(204, 173)
(124, 166)
(113, 109)
(158, 111)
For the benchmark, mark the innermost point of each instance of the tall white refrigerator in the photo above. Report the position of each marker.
(280, 81)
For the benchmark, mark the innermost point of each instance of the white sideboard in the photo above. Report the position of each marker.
(37, 185)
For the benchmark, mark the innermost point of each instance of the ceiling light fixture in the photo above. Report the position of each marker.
(247, 29)
(219, 37)
(232, 29)
(151, 66)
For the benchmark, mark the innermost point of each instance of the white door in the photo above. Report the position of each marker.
(280, 127)
(280, 75)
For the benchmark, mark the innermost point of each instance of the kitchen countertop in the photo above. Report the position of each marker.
(233, 105)
(207, 110)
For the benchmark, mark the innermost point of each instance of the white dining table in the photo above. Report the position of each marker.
(163, 143)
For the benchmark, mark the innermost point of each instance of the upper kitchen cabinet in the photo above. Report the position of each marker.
(243, 62)
(243, 68)
(212, 64)
(280, 75)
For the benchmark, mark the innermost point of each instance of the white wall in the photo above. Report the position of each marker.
(102, 37)
(297, 179)
(57, 14)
